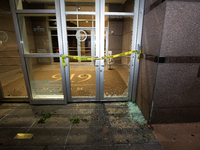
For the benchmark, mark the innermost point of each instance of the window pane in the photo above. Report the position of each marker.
(85, 8)
(83, 80)
(45, 78)
(34, 4)
(82, 5)
(122, 6)
(36, 32)
(116, 77)
(11, 75)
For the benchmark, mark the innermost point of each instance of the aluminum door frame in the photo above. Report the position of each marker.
(62, 36)
(15, 13)
(136, 44)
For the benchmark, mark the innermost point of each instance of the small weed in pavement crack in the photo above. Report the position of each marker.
(44, 118)
(46, 148)
(74, 120)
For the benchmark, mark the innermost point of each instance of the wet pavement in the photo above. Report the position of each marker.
(108, 126)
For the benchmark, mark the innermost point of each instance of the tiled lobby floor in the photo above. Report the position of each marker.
(111, 126)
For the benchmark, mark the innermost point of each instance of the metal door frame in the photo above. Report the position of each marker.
(100, 27)
(63, 49)
(23, 56)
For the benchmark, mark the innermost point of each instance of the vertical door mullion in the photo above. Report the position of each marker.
(60, 43)
(66, 75)
(20, 47)
(133, 47)
(101, 51)
(138, 45)
(97, 25)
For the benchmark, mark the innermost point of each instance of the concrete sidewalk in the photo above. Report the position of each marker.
(109, 126)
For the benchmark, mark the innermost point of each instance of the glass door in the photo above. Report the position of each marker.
(82, 72)
(79, 21)
(97, 29)
(87, 28)
(36, 25)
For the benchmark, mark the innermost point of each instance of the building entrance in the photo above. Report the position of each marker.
(46, 30)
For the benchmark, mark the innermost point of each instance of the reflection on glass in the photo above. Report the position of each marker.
(85, 7)
(82, 5)
(116, 77)
(124, 6)
(38, 33)
(80, 45)
(70, 8)
(34, 4)
(85, 23)
(83, 80)
(45, 78)
(11, 76)
(80, 21)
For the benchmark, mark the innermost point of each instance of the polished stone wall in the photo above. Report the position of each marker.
(168, 92)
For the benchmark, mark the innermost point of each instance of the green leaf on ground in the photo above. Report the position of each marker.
(123, 104)
(74, 120)
(44, 118)
(47, 116)
(46, 148)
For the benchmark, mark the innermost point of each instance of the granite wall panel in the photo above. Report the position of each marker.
(126, 42)
(143, 106)
(147, 77)
(174, 115)
(152, 30)
(177, 85)
(115, 43)
(115, 28)
(115, 38)
(127, 25)
(127, 37)
(181, 33)
(148, 3)
(186, 0)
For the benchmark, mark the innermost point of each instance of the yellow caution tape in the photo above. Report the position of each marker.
(92, 58)
(139, 56)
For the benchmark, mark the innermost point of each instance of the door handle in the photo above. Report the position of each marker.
(104, 64)
(95, 62)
